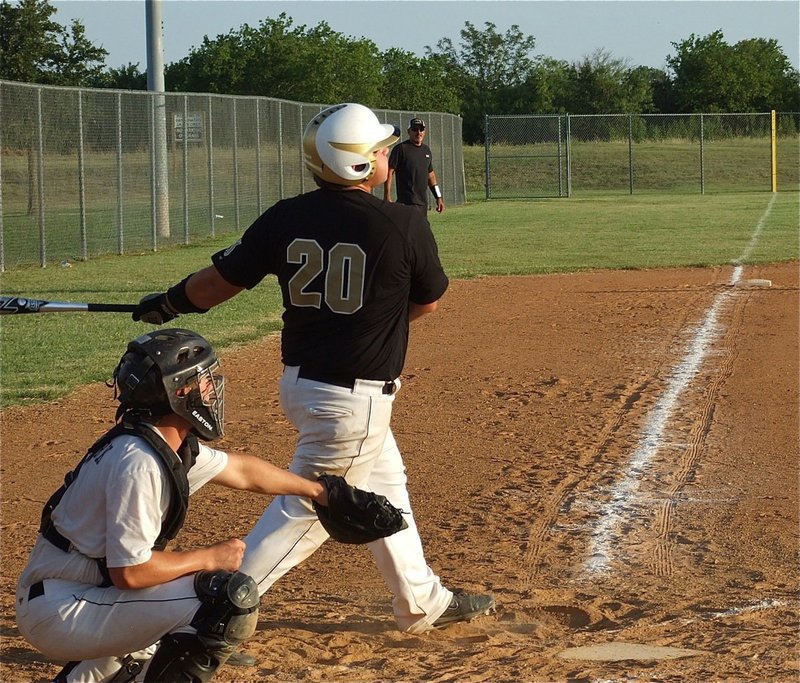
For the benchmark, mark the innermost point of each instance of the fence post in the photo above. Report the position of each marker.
(40, 179)
(120, 241)
(154, 214)
(210, 162)
(560, 166)
(487, 181)
(702, 158)
(2, 241)
(302, 165)
(185, 133)
(428, 116)
(280, 149)
(569, 156)
(459, 123)
(236, 164)
(453, 159)
(441, 154)
(258, 157)
(155, 85)
(161, 177)
(630, 152)
(82, 182)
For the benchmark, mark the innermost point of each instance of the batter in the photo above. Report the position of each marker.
(354, 271)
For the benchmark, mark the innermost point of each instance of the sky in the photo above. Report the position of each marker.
(641, 32)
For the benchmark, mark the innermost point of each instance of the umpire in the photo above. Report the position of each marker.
(354, 271)
(411, 164)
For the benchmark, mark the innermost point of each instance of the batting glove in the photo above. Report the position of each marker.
(154, 309)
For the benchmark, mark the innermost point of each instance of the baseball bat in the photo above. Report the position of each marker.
(13, 305)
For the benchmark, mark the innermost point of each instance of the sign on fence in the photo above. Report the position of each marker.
(194, 127)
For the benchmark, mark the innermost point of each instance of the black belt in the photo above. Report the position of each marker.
(36, 590)
(52, 534)
(339, 381)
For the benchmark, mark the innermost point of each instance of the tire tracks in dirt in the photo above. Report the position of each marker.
(591, 465)
(663, 526)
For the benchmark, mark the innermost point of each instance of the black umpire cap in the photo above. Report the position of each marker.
(416, 122)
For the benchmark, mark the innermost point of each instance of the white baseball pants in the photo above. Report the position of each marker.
(346, 432)
(69, 620)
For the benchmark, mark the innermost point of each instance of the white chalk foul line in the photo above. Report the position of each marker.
(652, 437)
(756, 234)
(767, 603)
(650, 441)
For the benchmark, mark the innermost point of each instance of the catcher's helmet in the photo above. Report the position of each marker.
(340, 142)
(150, 380)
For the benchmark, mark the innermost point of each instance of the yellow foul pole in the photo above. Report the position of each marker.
(774, 153)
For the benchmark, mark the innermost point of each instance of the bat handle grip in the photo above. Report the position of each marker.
(111, 308)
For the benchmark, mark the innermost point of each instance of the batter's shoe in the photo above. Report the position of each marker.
(465, 607)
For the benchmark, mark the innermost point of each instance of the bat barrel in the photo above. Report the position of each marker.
(15, 305)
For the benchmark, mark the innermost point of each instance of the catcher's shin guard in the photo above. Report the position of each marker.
(226, 619)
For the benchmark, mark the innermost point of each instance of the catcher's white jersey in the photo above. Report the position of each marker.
(115, 506)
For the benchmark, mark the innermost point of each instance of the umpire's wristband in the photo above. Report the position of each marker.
(436, 192)
(178, 300)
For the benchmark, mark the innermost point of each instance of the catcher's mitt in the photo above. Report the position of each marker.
(355, 516)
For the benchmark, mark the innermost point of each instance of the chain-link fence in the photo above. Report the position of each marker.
(85, 172)
(567, 155)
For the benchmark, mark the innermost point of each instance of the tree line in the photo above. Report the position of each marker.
(486, 71)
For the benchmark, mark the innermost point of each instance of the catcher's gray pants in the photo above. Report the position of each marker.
(346, 432)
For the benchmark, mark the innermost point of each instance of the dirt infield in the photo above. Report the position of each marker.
(580, 445)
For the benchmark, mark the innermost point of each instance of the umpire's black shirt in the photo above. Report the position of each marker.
(412, 164)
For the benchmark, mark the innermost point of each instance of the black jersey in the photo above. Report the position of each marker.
(411, 164)
(348, 264)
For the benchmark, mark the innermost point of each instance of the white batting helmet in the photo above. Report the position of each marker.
(340, 142)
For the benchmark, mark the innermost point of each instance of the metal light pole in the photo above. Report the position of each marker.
(155, 83)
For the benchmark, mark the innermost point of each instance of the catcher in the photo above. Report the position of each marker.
(100, 588)
(354, 271)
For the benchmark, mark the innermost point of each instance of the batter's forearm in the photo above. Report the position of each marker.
(206, 288)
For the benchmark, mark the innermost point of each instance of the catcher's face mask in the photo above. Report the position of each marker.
(177, 371)
(204, 403)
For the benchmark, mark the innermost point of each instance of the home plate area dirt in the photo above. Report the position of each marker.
(622, 478)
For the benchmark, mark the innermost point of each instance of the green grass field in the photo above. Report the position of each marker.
(46, 356)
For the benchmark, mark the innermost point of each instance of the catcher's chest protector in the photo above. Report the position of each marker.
(179, 484)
